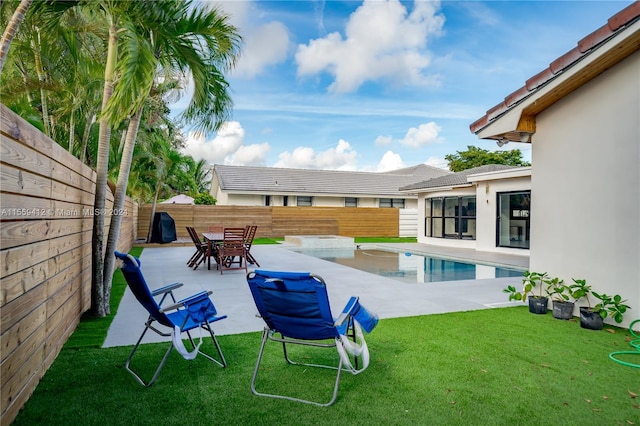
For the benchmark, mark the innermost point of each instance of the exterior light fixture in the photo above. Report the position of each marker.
(525, 137)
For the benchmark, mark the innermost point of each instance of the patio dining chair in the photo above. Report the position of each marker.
(182, 316)
(231, 250)
(295, 308)
(201, 252)
(250, 234)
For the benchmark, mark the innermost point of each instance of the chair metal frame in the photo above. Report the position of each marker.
(176, 314)
(330, 329)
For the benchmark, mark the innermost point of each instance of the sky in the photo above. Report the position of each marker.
(379, 85)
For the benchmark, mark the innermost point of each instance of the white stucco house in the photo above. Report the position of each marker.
(271, 186)
(486, 208)
(582, 117)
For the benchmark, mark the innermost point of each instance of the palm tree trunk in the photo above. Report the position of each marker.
(153, 211)
(99, 305)
(11, 30)
(72, 130)
(35, 44)
(85, 137)
(118, 203)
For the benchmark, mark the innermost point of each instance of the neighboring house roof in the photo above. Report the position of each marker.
(455, 179)
(564, 75)
(271, 180)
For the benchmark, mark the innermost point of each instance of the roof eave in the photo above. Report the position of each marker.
(517, 122)
(439, 188)
(501, 174)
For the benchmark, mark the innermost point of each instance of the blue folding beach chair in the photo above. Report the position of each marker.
(182, 316)
(295, 306)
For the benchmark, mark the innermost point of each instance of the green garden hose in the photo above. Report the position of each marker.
(634, 344)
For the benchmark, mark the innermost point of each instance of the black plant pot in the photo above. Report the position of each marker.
(562, 310)
(590, 320)
(538, 305)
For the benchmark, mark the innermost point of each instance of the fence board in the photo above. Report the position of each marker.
(277, 221)
(24, 157)
(46, 225)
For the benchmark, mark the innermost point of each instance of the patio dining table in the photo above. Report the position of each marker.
(212, 238)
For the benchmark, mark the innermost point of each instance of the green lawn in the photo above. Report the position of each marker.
(499, 367)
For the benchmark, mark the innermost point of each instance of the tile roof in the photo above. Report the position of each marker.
(455, 179)
(587, 45)
(271, 180)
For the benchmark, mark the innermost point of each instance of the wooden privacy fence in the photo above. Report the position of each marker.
(278, 221)
(46, 221)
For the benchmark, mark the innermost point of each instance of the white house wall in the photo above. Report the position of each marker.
(227, 199)
(585, 185)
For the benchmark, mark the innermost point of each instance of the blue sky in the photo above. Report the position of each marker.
(382, 84)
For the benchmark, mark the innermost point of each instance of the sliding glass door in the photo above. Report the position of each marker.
(513, 219)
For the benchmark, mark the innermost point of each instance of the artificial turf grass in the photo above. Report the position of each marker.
(499, 366)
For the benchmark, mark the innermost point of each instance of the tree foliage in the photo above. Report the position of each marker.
(204, 198)
(93, 75)
(475, 157)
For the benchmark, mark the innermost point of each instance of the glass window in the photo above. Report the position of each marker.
(513, 219)
(304, 201)
(285, 200)
(451, 206)
(437, 207)
(451, 217)
(468, 205)
(450, 227)
(437, 227)
(392, 202)
(350, 202)
(267, 200)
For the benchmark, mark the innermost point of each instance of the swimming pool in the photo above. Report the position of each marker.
(410, 267)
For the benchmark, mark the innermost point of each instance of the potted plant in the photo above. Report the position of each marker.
(589, 319)
(560, 294)
(611, 306)
(531, 281)
(592, 318)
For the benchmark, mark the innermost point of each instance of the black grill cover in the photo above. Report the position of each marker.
(164, 228)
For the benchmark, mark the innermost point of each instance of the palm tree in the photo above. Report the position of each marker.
(11, 30)
(183, 38)
(200, 174)
(100, 305)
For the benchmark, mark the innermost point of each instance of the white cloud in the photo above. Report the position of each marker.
(251, 155)
(416, 137)
(264, 44)
(437, 162)
(390, 161)
(425, 134)
(227, 147)
(342, 157)
(383, 140)
(381, 41)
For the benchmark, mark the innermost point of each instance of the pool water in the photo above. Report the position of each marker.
(409, 267)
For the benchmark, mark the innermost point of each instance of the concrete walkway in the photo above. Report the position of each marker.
(385, 296)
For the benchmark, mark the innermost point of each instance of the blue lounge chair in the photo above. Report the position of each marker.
(295, 305)
(181, 316)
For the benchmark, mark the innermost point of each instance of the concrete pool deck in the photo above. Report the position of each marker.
(387, 297)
